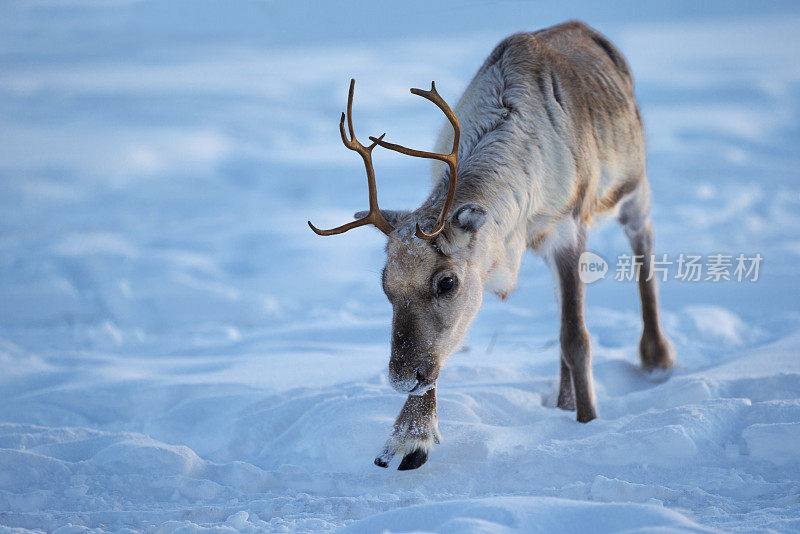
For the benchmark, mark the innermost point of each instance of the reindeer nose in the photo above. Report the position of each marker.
(414, 377)
(426, 376)
(421, 375)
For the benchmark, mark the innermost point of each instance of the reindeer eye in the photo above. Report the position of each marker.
(445, 285)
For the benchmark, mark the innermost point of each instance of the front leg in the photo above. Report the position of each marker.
(415, 431)
(566, 398)
(576, 365)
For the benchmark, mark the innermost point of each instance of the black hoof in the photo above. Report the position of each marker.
(413, 460)
(380, 462)
(584, 416)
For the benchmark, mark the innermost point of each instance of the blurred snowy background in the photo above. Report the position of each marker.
(178, 351)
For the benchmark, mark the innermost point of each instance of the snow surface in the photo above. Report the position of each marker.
(179, 353)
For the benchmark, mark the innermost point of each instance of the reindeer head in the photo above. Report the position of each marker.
(435, 289)
(434, 286)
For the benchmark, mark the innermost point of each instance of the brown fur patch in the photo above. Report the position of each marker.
(615, 195)
(538, 240)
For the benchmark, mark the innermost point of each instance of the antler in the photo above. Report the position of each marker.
(374, 216)
(451, 159)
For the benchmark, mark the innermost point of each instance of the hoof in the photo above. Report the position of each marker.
(413, 460)
(585, 418)
(586, 414)
(566, 401)
(656, 353)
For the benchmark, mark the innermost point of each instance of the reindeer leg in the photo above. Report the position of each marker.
(566, 397)
(574, 337)
(655, 350)
(415, 431)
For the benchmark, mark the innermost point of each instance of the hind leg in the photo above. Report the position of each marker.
(655, 349)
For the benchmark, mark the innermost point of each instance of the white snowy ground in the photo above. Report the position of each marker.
(178, 352)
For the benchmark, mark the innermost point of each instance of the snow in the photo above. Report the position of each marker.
(180, 353)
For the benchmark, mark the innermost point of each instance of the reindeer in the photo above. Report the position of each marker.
(549, 140)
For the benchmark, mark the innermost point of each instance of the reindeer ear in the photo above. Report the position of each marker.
(393, 217)
(469, 217)
(459, 234)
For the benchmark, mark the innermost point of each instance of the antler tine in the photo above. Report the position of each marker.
(340, 229)
(434, 97)
(451, 159)
(374, 216)
(350, 109)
